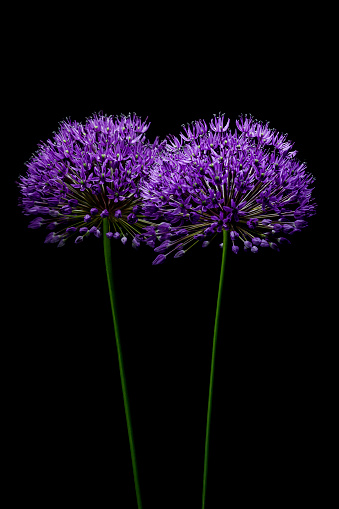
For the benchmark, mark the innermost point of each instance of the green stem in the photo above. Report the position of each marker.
(216, 326)
(108, 262)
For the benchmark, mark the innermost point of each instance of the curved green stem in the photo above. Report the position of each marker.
(108, 262)
(216, 327)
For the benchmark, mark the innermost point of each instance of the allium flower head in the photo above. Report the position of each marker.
(248, 182)
(87, 173)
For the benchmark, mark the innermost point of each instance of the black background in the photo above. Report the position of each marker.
(67, 433)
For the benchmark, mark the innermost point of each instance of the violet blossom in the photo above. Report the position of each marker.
(88, 172)
(248, 183)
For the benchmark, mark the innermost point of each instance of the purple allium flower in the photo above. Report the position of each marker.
(248, 182)
(88, 172)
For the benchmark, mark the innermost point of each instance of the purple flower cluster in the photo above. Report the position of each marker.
(87, 173)
(247, 182)
(179, 192)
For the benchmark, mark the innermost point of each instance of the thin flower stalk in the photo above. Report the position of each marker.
(210, 392)
(110, 280)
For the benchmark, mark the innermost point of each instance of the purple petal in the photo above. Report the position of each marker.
(159, 259)
(179, 253)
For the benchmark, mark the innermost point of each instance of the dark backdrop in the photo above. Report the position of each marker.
(67, 432)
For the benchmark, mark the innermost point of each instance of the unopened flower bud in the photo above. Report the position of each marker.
(180, 253)
(159, 259)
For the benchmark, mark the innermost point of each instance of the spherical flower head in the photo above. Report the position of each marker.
(248, 182)
(87, 173)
